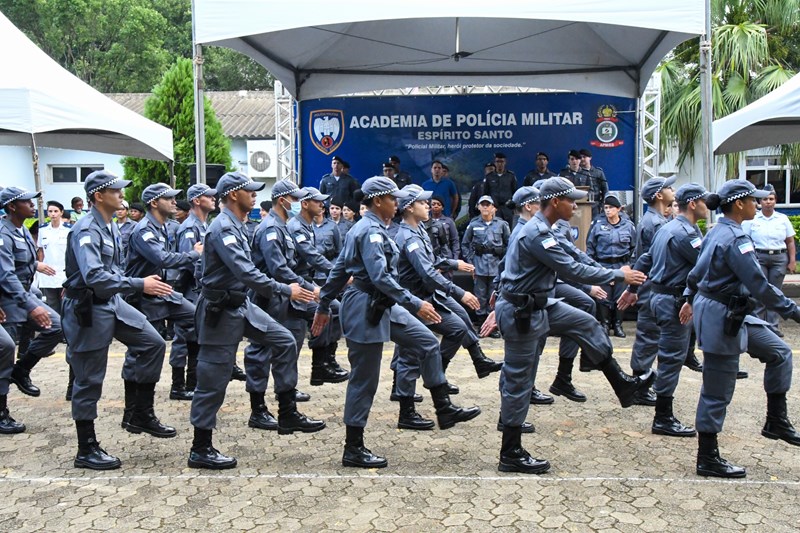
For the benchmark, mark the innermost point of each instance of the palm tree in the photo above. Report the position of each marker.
(754, 50)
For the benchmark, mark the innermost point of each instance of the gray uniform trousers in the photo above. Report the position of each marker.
(673, 343)
(183, 315)
(645, 346)
(365, 364)
(90, 366)
(6, 360)
(47, 339)
(614, 291)
(774, 268)
(719, 375)
(568, 348)
(483, 291)
(522, 351)
(178, 352)
(215, 364)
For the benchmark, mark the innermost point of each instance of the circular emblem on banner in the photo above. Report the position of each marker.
(607, 131)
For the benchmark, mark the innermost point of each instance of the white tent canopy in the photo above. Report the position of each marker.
(38, 97)
(317, 48)
(771, 120)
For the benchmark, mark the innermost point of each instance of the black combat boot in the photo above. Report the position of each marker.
(540, 398)
(70, 384)
(237, 374)
(8, 425)
(448, 414)
(260, 417)
(603, 315)
(90, 454)
(291, 420)
(356, 454)
(665, 423)
(394, 397)
(626, 386)
(778, 425)
(130, 402)
(321, 371)
(332, 362)
(409, 417)
(692, 362)
(452, 388)
(709, 462)
(178, 390)
(514, 458)
(144, 419)
(526, 427)
(562, 385)
(204, 455)
(483, 365)
(21, 375)
(618, 331)
(191, 366)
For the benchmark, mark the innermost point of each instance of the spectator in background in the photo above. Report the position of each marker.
(448, 246)
(77, 209)
(598, 184)
(478, 190)
(52, 250)
(338, 183)
(266, 205)
(400, 177)
(183, 211)
(573, 170)
(541, 172)
(349, 210)
(337, 216)
(126, 226)
(136, 212)
(501, 186)
(442, 187)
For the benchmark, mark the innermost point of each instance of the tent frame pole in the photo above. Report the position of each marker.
(37, 178)
(199, 101)
(707, 103)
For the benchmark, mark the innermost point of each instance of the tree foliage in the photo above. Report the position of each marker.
(172, 105)
(126, 45)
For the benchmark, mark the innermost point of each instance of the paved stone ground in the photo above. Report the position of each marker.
(609, 472)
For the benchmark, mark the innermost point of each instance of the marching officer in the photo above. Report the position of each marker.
(370, 317)
(672, 255)
(22, 302)
(328, 241)
(500, 185)
(525, 315)
(8, 425)
(191, 232)
(611, 242)
(226, 316)
(726, 277)
(94, 313)
(150, 253)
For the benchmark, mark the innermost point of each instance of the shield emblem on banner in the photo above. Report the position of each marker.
(326, 128)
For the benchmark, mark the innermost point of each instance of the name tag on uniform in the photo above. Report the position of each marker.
(228, 240)
(412, 247)
(696, 242)
(548, 243)
(18, 239)
(1, 241)
(376, 237)
(189, 235)
(300, 238)
(108, 243)
(746, 247)
(480, 228)
(85, 240)
(271, 236)
(147, 235)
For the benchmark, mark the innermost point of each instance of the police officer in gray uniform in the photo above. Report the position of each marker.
(418, 271)
(22, 303)
(370, 317)
(328, 241)
(658, 194)
(672, 255)
(94, 313)
(324, 368)
(150, 253)
(226, 315)
(8, 425)
(525, 315)
(191, 232)
(726, 277)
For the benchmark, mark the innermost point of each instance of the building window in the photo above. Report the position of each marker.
(763, 170)
(71, 173)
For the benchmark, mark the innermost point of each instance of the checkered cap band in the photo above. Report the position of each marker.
(103, 186)
(561, 193)
(381, 193)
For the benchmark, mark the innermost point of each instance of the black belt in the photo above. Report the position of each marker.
(228, 299)
(620, 259)
(724, 299)
(364, 286)
(77, 294)
(667, 289)
(771, 252)
(536, 301)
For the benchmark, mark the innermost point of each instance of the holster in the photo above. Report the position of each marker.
(83, 309)
(738, 307)
(524, 306)
(218, 300)
(377, 306)
(134, 299)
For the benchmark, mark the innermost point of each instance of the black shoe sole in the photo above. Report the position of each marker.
(289, 431)
(486, 373)
(395, 398)
(27, 392)
(95, 466)
(503, 467)
(567, 395)
(211, 466)
(130, 428)
(354, 464)
(454, 422)
(15, 431)
(672, 433)
(318, 382)
(548, 401)
(527, 430)
(711, 473)
(414, 427)
(775, 436)
(260, 426)
(180, 397)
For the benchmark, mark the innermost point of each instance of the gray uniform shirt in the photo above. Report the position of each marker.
(418, 266)
(493, 237)
(17, 269)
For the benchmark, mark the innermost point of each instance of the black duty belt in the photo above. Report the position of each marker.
(535, 301)
(620, 259)
(667, 289)
(771, 252)
(364, 286)
(724, 299)
(77, 294)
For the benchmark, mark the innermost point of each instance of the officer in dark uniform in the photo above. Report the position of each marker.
(191, 232)
(541, 172)
(338, 184)
(611, 242)
(400, 177)
(573, 170)
(658, 194)
(598, 184)
(227, 315)
(478, 190)
(726, 277)
(672, 255)
(328, 242)
(22, 303)
(94, 313)
(8, 425)
(501, 185)
(150, 253)
(525, 315)
(370, 258)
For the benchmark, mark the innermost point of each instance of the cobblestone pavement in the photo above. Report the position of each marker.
(609, 472)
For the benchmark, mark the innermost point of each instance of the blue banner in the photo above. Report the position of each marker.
(465, 131)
